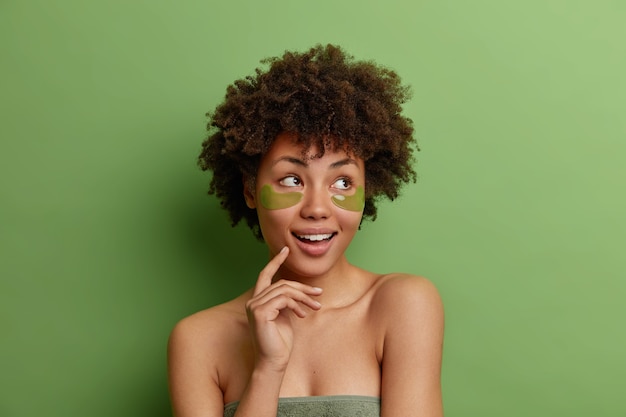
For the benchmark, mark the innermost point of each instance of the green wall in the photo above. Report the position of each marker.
(107, 237)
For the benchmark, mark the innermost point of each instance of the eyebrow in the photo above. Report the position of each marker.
(300, 162)
(343, 162)
(290, 159)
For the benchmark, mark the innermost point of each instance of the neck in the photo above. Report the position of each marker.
(340, 284)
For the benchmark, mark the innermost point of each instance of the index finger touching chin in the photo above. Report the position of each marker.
(267, 273)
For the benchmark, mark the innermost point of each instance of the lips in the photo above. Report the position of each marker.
(314, 243)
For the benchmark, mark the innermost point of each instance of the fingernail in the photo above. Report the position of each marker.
(317, 289)
(284, 249)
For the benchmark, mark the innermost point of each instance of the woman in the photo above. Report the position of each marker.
(301, 151)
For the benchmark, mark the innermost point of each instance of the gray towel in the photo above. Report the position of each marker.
(324, 406)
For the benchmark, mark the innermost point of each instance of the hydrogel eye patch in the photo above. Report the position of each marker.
(354, 202)
(272, 200)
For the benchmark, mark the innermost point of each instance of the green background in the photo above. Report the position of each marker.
(107, 237)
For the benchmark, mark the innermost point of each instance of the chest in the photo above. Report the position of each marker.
(335, 355)
(338, 357)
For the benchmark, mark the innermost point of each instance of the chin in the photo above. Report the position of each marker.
(310, 267)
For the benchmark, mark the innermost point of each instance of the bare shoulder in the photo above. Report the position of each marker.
(196, 347)
(209, 324)
(409, 314)
(399, 287)
(406, 295)
(203, 333)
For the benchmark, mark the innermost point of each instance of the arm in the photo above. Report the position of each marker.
(412, 350)
(193, 380)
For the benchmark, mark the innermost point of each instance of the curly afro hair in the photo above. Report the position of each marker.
(332, 102)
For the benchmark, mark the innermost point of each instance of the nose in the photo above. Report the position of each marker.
(316, 204)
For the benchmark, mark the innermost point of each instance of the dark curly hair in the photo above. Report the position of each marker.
(332, 102)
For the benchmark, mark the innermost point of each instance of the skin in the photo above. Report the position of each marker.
(313, 324)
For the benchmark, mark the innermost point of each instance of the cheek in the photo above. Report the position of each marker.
(271, 220)
(348, 219)
(274, 224)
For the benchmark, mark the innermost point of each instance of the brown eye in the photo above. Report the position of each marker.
(342, 184)
(290, 181)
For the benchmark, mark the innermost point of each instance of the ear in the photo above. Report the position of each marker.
(249, 192)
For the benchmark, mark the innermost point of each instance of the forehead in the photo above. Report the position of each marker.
(288, 144)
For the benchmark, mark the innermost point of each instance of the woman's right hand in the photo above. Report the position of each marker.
(270, 311)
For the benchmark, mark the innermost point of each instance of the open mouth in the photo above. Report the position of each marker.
(323, 237)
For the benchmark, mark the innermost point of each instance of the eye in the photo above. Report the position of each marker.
(342, 184)
(290, 181)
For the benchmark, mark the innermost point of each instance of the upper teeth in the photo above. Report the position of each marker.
(315, 237)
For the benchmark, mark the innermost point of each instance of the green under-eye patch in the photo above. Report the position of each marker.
(354, 202)
(272, 200)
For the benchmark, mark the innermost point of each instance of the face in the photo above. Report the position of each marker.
(312, 205)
